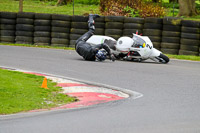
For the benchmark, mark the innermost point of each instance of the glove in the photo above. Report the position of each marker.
(112, 57)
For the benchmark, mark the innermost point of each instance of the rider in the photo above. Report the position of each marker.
(89, 52)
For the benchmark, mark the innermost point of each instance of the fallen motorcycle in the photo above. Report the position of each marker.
(137, 48)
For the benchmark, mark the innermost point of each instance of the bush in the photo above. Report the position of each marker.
(131, 8)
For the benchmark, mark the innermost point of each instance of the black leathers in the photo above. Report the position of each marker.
(87, 51)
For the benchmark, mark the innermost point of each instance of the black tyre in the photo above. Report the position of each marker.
(59, 41)
(99, 31)
(8, 15)
(61, 17)
(24, 39)
(190, 36)
(24, 27)
(152, 26)
(79, 25)
(170, 51)
(79, 18)
(42, 40)
(42, 28)
(116, 37)
(153, 20)
(155, 38)
(171, 33)
(114, 25)
(114, 19)
(189, 48)
(41, 22)
(7, 27)
(133, 26)
(100, 19)
(7, 32)
(190, 30)
(8, 21)
(172, 21)
(171, 28)
(74, 36)
(72, 43)
(7, 38)
(59, 23)
(42, 34)
(156, 45)
(25, 21)
(190, 42)
(189, 23)
(99, 25)
(78, 31)
(60, 29)
(113, 32)
(170, 45)
(171, 39)
(43, 16)
(131, 31)
(152, 32)
(27, 15)
(185, 52)
(59, 35)
(133, 20)
(24, 33)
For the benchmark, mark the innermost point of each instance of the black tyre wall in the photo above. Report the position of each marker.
(7, 27)
(60, 30)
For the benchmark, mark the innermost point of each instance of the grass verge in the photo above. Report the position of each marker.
(184, 57)
(20, 92)
(47, 7)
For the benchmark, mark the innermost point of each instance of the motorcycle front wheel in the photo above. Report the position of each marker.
(163, 58)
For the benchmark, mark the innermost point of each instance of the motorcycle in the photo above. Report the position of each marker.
(138, 48)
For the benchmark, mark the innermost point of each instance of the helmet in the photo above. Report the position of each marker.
(124, 44)
(101, 55)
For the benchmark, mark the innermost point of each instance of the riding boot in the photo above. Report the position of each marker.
(91, 22)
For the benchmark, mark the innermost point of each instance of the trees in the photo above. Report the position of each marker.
(20, 5)
(63, 2)
(187, 8)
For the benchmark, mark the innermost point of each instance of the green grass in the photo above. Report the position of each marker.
(184, 57)
(20, 92)
(47, 7)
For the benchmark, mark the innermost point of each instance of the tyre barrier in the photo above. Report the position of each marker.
(153, 29)
(7, 27)
(42, 29)
(190, 33)
(171, 35)
(171, 32)
(24, 28)
(60, 30)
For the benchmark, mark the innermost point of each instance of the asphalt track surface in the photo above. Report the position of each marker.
(171, 101)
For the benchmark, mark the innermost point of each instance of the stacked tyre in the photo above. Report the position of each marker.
(42, 29)
(171, 35)
(132, 25)
(114, 26)
(100, 26)
(7, 27)
(79, 26)
(60, 30)
(24, 28)
(153, 29)
(190, 38)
